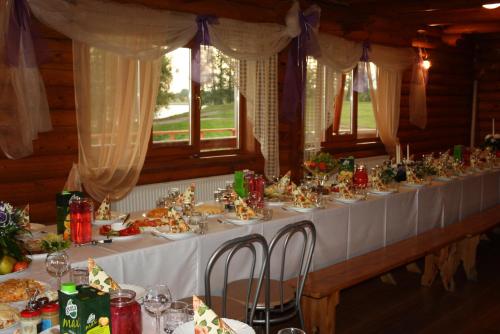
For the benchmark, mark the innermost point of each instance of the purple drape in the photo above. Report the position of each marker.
(202, 38)
(306, 44)
(360, 84)
(19, 34)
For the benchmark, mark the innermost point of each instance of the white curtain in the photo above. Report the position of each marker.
(24, 111)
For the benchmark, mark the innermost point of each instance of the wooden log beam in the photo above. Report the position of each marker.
(478, 27)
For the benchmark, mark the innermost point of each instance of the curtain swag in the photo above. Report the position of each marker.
(117, 48)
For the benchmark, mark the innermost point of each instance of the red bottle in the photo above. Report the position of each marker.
(81, 211)
(125, 313)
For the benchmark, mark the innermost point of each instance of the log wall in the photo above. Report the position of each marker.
(38, 178)
(488, 77)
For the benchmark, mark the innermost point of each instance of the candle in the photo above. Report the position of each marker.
(398, 154)
(407, 152)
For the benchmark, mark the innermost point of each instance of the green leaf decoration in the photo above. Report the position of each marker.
(203, 323)
(209, 328)
(220, 331)
(107, 281)
(216, 321)
(202, 310)
(95, 271)
(97, 282)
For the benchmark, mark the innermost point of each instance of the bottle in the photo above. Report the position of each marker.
(31, 321)
(125, 313)
(50, 315)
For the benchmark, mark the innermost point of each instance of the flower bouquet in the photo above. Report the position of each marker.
(12, 254)
(322, 166)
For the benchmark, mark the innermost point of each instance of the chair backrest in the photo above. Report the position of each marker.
(231, 247)
(307, 231)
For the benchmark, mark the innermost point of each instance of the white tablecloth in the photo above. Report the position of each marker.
(343, 231)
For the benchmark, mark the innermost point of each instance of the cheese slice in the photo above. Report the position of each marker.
(99, 279)
(104, 211)
(206, 321)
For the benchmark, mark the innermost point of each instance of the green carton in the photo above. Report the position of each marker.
(83, 310)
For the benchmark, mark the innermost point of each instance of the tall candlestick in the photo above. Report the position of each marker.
(398, 154)
(407, 152)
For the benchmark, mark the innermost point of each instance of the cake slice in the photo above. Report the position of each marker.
(99, 279)
(206, 321)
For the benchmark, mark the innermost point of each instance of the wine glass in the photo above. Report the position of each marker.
(57, 264)
(157, 301)
(175, 316)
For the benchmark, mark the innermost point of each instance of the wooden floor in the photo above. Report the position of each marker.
(375, 307)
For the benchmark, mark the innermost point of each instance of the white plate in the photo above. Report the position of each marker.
(347, 200)
(52, 330)
(172, 236)
(40, 256)
(115, 216)
(275, 203)
(124, 238)
(298, 208)
(238, 327)
(381, 192)
(413, 185)
(233, 219)
(140, 292)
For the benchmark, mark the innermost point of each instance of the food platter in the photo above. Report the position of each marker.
(234, 219)
(237, 326)
(164, 232)
(9, 317)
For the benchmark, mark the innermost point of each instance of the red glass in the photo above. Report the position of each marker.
(125, 313)
(260, 184)
(360, 178)
(81, 211)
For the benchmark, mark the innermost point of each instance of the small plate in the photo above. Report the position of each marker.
(298, 208)
(381, 192)
(172, 236)
(124, 238)
(233, 219)
(237, 326)
(140, 292)
(39, 256)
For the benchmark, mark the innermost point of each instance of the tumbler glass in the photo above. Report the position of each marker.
(81, 212)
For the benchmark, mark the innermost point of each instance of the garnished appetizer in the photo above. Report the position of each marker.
(243, 211)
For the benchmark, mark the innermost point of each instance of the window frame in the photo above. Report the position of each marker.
(354, 138)
(194, 149)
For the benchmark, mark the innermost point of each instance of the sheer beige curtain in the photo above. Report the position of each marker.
(24, 111)
(385, 88)
(115, 97)
(418, 96)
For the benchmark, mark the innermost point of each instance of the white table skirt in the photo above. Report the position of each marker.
(343, 231)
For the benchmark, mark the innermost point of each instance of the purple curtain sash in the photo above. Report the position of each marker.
(202, 38)
(306, 44)
(18, 33)
(361, 85)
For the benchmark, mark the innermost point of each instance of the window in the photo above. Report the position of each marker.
(353, 111)
(197, 117)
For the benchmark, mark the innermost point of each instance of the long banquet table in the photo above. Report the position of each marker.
(343, 231)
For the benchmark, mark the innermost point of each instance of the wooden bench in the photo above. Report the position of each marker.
(444, 249)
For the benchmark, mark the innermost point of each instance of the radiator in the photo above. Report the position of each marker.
(144, 197)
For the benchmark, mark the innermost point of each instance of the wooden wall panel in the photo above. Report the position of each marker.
(36, 179)
(488, 77)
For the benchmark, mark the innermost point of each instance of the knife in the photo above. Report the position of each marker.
(95, 242)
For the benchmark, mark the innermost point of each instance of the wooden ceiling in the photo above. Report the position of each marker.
(448, 20)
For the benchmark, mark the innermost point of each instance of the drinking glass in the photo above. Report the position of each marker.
(57, 264)
(79, 276)
(175, 316)
(291, 330)
(81, 212)
(156, 301)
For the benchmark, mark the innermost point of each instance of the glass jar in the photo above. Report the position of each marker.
(125, 312)
(81, 212)
(50, 315)
(360, 177)
(31, 321)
